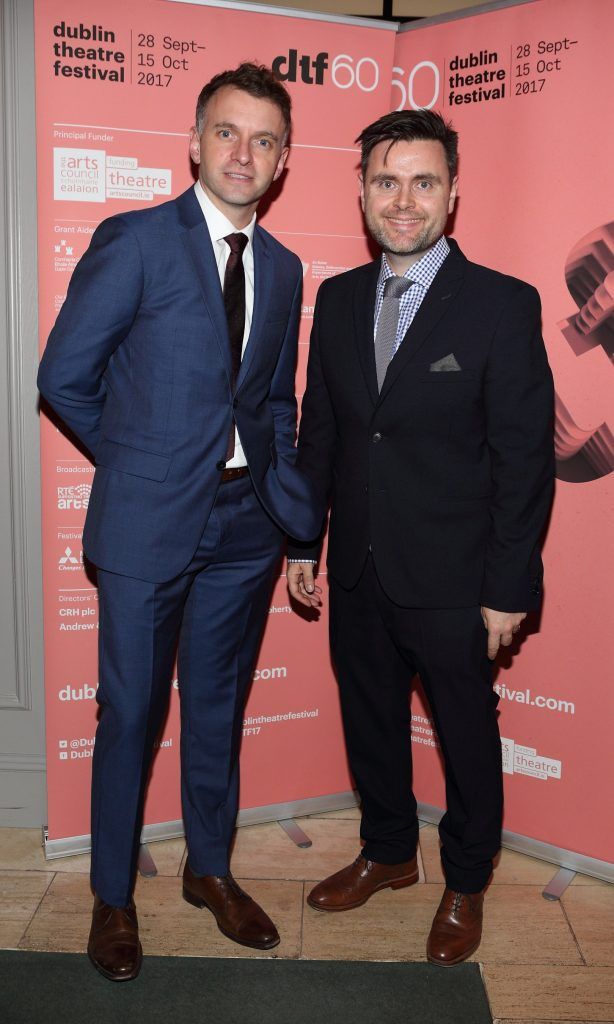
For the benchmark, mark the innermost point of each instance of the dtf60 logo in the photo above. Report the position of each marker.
(419, 87)
(345, 71)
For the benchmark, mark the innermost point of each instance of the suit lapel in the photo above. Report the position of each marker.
(435, 304)
(363, 311)
(263, 281)
(197, 241)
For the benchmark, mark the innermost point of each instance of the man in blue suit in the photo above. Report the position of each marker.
(172, 361)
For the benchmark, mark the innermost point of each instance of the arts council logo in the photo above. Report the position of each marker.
(90, 175)
(520, 760)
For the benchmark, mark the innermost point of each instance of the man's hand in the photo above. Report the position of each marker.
(501, 627)
(301, 584)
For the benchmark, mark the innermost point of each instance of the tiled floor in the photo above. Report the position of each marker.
(542, 961)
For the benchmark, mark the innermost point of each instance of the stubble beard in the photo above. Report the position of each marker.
(420, 242)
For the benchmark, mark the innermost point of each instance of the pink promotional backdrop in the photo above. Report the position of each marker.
(113, 143)
(529, 89)
(525, 87)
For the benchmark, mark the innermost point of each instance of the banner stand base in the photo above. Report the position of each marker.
(295, 833)
(146, 865)
(427, 814)
(558, 884)
(72, 846)
(574, 862)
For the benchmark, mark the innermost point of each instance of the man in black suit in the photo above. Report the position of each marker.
(427, 422)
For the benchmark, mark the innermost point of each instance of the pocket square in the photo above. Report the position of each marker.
(447, 363)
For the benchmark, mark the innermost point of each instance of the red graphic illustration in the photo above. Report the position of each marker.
(587, 454)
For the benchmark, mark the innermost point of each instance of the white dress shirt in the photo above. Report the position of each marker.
(219, 226)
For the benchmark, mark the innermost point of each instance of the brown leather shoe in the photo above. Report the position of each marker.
(354, 885)
(238, 916)
(114, 946)
(457, 928)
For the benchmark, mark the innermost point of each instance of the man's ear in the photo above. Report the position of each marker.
(195, 145)
(453, 194)
(281, 162)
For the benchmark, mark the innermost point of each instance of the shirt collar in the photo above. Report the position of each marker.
(424, 270)
(218, 224)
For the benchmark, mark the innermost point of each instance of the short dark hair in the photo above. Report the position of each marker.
(255, 79)
(410, 126)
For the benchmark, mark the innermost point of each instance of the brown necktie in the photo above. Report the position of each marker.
(234, 303)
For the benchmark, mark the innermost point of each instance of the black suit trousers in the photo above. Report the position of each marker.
(377, 647)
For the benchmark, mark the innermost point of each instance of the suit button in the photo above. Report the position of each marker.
(221, 465)
(366, 488)
(376, 438)
(235, 403)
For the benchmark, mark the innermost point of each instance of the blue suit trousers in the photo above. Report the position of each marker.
(214, 613)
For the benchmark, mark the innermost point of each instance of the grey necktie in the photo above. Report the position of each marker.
(387, 325)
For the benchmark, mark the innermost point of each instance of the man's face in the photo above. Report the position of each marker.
(406, 198)
(240, 152)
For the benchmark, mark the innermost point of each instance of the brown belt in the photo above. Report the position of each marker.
(236, 473)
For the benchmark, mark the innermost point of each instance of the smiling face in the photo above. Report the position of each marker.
(406, 198)
(240, 152)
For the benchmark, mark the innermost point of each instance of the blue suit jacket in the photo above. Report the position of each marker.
(138, 366)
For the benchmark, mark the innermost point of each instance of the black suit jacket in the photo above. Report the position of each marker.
(446, 474)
